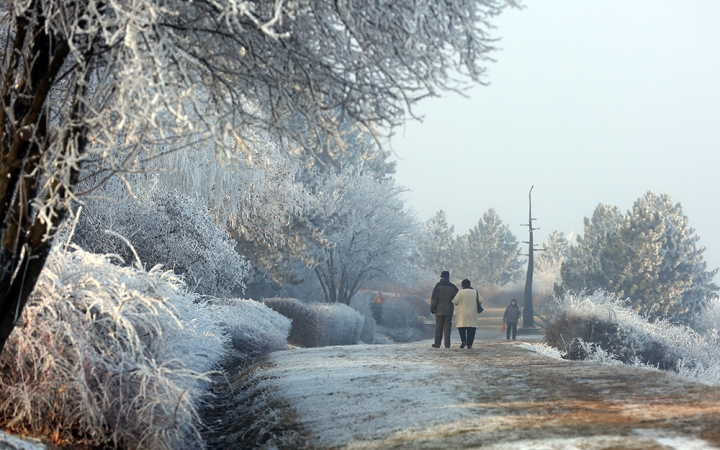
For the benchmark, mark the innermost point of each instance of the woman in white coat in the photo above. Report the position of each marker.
(466, 319)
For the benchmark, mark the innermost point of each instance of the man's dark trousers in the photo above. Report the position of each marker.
(442, 327)
(511, 329)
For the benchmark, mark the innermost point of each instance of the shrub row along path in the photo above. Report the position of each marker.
(496, 395)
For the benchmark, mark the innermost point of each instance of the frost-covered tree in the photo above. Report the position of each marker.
(487, 254)
(548, 263)
(166, 228)
(595, 259)
(261, 200)
(436, 250)
(649, 256)
(371, 234)
(105, 86)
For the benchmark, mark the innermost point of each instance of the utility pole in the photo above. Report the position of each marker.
(528, 311)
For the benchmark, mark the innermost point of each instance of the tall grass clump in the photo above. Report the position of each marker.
(108, 356)
(603, 328)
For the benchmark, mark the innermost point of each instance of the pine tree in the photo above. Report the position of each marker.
(668, 275)
(487, 255)
(436, 251)
(592, 263)
(649, 256)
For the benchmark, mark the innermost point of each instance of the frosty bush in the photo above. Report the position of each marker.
(708, 319)
(108, 356)
(339, 324)
(362, 304)
(402, 321)
(604, 328)
(252, 327)
(321, 324)
(367, 334)
(305, 328)
(164, 228)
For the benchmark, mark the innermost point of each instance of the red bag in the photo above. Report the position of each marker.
(503, 327)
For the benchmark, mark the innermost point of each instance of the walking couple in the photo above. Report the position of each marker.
(444, 298)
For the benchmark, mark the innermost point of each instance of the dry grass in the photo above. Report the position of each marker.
(105, 355)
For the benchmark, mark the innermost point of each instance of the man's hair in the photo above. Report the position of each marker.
(465, 283)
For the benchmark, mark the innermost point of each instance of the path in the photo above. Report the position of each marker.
(497, 395)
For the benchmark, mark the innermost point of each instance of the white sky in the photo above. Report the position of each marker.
(590, 102)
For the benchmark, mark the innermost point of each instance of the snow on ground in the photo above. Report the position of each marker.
(497, 395)
(9, 442)
(370, 384)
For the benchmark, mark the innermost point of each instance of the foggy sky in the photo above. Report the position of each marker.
(590, 102)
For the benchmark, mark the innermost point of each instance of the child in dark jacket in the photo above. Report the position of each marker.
(511, 318)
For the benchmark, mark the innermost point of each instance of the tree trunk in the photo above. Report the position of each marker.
(24, 140)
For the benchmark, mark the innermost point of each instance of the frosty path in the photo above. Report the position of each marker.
(497, 395)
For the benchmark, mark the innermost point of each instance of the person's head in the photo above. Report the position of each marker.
(466, 283)
(513, 302)
(445, 275)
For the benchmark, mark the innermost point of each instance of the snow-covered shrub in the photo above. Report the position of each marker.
(339, 324)
(166, 228)
(401, 320)
(305, 330)
(322, 324)
(367, 334)
(362, 303)
(108, 356)
(584, 326)
(542, 348)
(708, 318)
(253, 328)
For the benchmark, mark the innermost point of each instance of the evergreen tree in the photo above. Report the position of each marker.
(436, 250)
(592, 263)
(487, 255)
(649, 256)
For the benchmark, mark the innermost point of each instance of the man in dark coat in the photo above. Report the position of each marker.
(441, 305)
(511, 318)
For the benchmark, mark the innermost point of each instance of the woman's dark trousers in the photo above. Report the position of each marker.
(442, 327)
(513, 327)
(467, 336)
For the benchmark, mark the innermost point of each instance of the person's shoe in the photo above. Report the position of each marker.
(462, 345)
(469, 347)
(447, 346)
(435, 346)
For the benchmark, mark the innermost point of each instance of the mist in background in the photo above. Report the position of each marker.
(590, 102)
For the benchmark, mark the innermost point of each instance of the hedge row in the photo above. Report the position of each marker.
(323, 324)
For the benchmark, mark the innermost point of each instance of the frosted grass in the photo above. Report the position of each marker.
(697, 353)
(109, 355)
